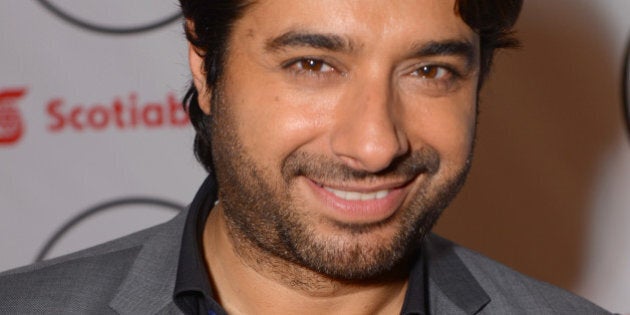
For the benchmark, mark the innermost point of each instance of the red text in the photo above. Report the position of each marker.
(127, 113)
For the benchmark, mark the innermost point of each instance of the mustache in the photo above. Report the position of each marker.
(315, 166)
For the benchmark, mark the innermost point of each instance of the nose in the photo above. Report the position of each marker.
(369, 132)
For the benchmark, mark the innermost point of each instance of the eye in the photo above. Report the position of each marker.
(310, 65)
(436, 78)
(433, 72)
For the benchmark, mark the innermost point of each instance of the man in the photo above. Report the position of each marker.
(335, 132)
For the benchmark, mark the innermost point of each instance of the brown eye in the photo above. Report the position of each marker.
(313, 65)
(435, 78)
(432, 72)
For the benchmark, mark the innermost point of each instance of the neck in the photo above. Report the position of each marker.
(248, 280)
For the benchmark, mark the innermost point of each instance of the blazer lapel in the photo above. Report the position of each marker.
(451, 281)
(148, 287)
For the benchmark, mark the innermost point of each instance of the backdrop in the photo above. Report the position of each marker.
(94, 144)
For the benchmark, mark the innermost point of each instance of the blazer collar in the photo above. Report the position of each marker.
(148, 287)
(451, 279)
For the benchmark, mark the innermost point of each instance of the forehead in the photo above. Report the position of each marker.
(361, 21)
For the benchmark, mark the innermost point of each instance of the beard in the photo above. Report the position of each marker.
(264, 214)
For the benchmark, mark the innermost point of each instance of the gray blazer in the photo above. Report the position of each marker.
(136, 275)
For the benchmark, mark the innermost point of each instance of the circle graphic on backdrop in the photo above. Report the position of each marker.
(116, 17)
(104, 208)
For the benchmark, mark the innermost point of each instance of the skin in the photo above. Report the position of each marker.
(344, 94)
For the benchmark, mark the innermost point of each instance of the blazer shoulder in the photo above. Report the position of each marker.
(80, 282)
(122, 243)
(515, 293)
(80, 285)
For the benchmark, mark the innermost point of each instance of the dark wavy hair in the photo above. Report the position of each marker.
(492, 20)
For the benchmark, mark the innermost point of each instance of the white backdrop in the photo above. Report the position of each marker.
(99, 122)
(88, 117)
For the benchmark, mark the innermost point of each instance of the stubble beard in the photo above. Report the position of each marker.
(264, 220)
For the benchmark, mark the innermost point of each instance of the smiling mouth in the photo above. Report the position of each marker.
(360, 192)
(353, 195)
(360, 203)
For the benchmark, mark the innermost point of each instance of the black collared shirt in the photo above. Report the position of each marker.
(193, 292)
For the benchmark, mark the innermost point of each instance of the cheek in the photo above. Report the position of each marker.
(453, 137)
(448, 126)
(272, 122)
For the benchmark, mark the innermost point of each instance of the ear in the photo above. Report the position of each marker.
(195, 61)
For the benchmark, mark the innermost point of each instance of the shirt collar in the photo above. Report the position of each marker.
(192, 285)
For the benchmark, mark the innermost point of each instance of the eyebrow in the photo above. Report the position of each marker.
(333, 42)
(330, 42)
(462, 48)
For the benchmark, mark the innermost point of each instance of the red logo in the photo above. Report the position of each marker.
(11, 124)
(121, 113)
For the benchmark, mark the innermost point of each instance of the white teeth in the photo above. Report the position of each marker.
(352, 195)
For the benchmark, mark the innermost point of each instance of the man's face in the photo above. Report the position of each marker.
(342, 128)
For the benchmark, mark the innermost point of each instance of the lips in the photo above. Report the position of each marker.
(352, 195)
(359, 204)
